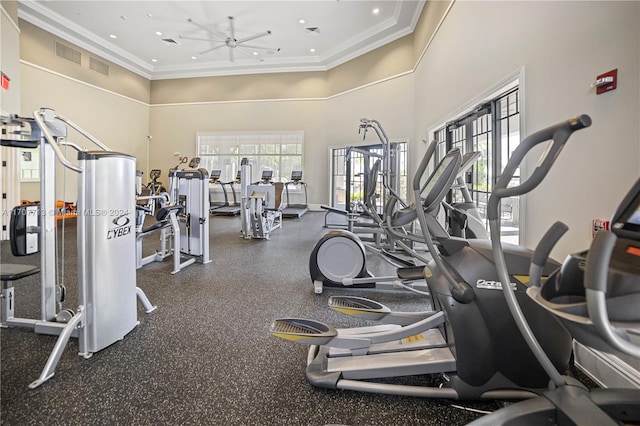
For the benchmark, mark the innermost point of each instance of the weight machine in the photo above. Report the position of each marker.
(189, 189)
(259, 212)
(106, 280)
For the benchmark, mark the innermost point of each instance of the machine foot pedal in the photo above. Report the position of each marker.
(359, 307)
(412, 273)
(400, 259)
(303, 331)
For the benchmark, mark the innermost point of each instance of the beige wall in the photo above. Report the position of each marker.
(563, 46)
(307, 85)
(392, 59)
(38, 47)
(174, 130)
(119, 122)
(327, 122)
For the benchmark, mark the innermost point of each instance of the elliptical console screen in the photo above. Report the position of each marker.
(433, 194)
(631, 217)
(628, 220)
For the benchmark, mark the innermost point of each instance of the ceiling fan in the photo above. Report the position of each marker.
(231, 41)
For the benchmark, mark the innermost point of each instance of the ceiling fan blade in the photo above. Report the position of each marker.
(210, 50)
(209, 30)
(200, 39)
(267, 49)
(231, 55)
(232, 27)
(253, 37)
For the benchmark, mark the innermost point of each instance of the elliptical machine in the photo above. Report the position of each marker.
(595, 295)
(339, 258)
(470, 343)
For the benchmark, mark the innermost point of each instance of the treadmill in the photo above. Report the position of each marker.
(214, 178)
(295, 210)
(230, 208)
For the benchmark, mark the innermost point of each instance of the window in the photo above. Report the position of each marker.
(493, 129)
(30, 164)
(279, 152)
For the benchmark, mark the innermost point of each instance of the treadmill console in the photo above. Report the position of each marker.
(267, 175)
(215, 175)
(296, 175)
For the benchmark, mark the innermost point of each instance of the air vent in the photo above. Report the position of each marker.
(68, 53)
(170, 41)
(313, 30)
(98, 66)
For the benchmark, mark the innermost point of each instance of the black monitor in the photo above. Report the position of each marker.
(440, 180)
(296, 175)
(154, 174)
(626, 221)
(267, 175)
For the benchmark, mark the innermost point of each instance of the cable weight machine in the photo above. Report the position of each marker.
(106, 275)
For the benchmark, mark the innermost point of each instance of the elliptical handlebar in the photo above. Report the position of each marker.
(559, 135)
(422, 167)
(596, 278)
(542, 251)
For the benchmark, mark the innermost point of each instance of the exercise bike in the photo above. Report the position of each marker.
(469, 345)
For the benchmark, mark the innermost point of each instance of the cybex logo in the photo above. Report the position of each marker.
(122, 227)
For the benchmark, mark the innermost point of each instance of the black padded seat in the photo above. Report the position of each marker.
(162, 216)
(13, 271)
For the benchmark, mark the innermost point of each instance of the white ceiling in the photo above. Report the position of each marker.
(345, 29)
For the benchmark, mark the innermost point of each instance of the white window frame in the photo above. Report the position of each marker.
(257, 146)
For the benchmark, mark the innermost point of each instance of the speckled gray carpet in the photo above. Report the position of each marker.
(205, 356)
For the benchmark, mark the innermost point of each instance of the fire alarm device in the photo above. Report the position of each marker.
(4, 81)
(599, 225)
(606, 82)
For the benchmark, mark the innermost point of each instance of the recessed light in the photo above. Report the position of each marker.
(375, 11)
(154, 60)
(113, 36)
(149, 15)
(255, 53)
(194, 57)
(158, 33)
(301, 21)
(312, 50)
